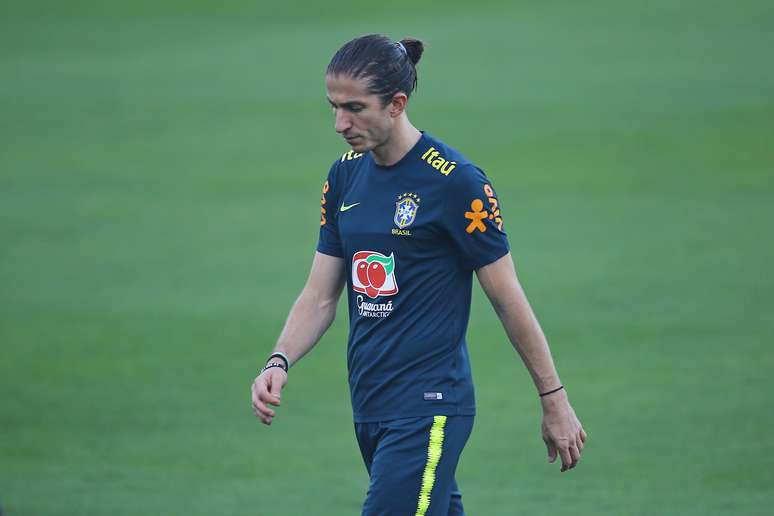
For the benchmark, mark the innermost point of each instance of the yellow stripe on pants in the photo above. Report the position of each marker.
(434, 450)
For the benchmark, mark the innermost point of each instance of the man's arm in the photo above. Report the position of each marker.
(311, 315)
(562, 431)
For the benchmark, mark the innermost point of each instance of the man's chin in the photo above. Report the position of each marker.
(358, 144)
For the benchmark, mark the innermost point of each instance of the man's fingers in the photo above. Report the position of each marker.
(551, 451)
(575, 455)
(270, 398)
(583, 435)
(260, 407)
(276, 388)
(266, 389)
(266, 420)
(579, 442)
(564, 453)
(263, 413)
(263, 394)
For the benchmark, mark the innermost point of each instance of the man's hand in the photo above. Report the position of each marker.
(266, 390)
(562, 432)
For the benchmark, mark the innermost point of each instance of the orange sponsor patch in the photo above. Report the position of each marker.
(323, 220)
(476, 216)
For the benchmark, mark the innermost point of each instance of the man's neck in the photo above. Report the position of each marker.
(403, 139)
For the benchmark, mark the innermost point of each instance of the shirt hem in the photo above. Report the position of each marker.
(330, 252)
(490, 260)
(431, 410)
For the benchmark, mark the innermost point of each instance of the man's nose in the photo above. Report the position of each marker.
(343, 122)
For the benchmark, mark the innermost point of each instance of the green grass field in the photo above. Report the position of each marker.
(160, 167)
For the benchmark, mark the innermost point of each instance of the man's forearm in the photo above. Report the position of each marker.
(528, 339)
(562, 432)
(501, 285)
(309, 318)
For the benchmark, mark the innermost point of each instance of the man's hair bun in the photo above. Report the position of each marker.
(414, 49)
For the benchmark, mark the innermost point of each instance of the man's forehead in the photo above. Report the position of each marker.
(344, 89)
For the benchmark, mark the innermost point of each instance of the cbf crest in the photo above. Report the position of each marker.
(406, 209)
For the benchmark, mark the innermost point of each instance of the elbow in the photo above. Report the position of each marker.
(499, 309)
(326, 304)
(322, 304)
(497, 304)
(329, 309)
(503, 305)
(326, 308)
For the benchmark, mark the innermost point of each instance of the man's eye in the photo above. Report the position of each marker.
(356, 109)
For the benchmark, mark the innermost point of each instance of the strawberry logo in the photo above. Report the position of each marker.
(373, 274)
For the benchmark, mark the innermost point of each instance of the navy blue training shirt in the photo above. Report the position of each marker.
(411, 235)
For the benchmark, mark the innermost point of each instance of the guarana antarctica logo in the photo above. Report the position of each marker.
(373, 274)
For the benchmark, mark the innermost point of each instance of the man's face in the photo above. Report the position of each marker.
(360, 117)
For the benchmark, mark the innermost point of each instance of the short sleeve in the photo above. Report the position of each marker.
(329, 242)
(473, 218)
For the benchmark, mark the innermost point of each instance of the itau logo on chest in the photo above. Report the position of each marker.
(434, 159)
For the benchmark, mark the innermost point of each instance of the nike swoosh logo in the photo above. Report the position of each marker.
(345, 207)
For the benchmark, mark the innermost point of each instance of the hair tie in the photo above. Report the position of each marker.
(402, 48)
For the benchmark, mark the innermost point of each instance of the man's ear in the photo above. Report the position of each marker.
(398, 104)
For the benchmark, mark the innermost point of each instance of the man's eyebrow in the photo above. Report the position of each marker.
(349, 104)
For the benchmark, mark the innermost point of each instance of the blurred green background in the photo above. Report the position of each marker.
(160, 172)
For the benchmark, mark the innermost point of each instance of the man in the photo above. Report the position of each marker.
(405, 222)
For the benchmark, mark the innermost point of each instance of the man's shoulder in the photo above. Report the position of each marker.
(345, 163)
(440, 158)
(343, 166)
